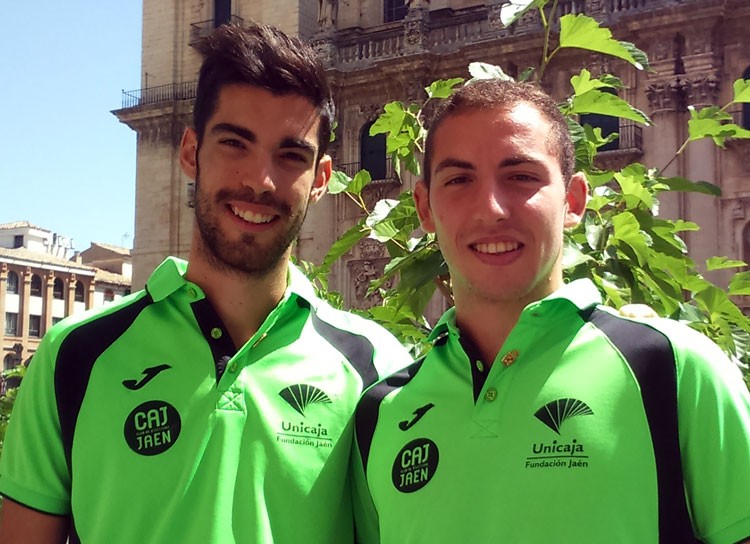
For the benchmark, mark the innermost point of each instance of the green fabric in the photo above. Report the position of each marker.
(494, 471)
(259, 457)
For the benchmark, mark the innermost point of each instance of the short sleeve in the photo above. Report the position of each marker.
(714, 423)
(33, 468)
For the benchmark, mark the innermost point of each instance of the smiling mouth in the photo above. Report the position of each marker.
(496, 247)
(252, 217)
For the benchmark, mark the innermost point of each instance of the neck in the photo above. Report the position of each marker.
(242, 301)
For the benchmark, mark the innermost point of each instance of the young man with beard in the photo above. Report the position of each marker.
(538, 415)
(215, 405)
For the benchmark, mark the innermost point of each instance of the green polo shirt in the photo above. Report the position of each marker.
(554, 443)
(144, 423)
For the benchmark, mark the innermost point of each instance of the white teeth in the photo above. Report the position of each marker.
(251, 217)
(496, 247)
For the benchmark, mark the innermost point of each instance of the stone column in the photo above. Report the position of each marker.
(3, 290)
(47, 302)
(90, 295)
(24, 306)
(71, 297)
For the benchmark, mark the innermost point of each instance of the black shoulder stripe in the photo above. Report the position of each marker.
(366, 416)
(650, 356)
(75, 361)
(357, 349)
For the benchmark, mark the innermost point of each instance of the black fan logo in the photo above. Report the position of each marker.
(554, 413)
(302, 395)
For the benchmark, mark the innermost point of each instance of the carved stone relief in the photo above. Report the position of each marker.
(361, 273)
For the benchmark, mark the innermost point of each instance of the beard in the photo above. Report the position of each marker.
(248, 255)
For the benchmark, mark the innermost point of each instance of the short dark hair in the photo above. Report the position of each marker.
(496, 93)
(263, 56)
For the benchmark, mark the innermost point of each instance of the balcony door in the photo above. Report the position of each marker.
(222, 12)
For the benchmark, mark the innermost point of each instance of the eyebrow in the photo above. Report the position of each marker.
(242, 132)
(249, 135)
(453, 163)
(519, 159)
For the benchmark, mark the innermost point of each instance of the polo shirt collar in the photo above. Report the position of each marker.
(581, 294)
(169, 277)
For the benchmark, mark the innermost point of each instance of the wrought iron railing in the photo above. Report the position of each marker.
(171, 92)
(630, 136)
(202, 29)
(386, 175)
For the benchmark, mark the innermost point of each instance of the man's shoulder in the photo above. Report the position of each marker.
(90, 323)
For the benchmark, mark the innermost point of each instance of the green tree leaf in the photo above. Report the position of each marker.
(360, 181)
(582, 83)
(345, 242)
(584, 32)
(338, 182)
(741, 91)
(442, 88)
(685, 185)
(719, 263)
(595, 101)
(740, 284)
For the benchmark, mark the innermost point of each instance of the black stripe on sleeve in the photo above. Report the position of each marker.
(650, 356)
(366, 417)
(357, 349)
(76, 357)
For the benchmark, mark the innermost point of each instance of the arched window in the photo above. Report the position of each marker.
(607, 123)
(394, 10)
(109, 295)
(58, 289)
(372, 153)
(80, 295)
(746, 243)
(36, 286)
(9, 361)
(12, 288)
(746, 105)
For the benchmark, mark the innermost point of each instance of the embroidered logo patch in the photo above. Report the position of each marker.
(152, 428)
(415, 465)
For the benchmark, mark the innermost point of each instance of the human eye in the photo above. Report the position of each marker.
(524, 177)
(232, 142)
(458, 179)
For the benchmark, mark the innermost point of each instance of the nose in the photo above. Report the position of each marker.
(493, 204)
(258, 174)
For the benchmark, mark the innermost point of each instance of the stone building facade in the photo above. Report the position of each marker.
(40, 284)
(382, 50)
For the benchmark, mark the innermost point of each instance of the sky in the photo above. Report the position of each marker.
(66, 163)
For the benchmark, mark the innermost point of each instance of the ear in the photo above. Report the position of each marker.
(322, 177)
(189, 153)
(575, 199)
(422, 202)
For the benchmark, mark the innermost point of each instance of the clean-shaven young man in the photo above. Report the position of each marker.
(540, 416)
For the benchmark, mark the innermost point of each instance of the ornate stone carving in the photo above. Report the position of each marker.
(370, 249)
(369, 111)
(325, 49)
(703, 91)
(416, 29)
(362, 272)
(669, 95)
(493, 15)
(327, 13)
